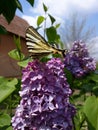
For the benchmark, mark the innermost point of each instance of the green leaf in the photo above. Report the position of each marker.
(95, 78)
(79, 119)
(57, 37)
(31, 2)
(6, 87)
(51, 34)
(5, 120)
(19, 6)
(17, 43)
(51, 18)
(45, 7)
(24, 63)
(2, 30)
(18, 46)
(15, 55)
(57, 25)
(9, 128)
(91, 112)
(8, 9)
(40, 20)
(61, 43)
(69, 76)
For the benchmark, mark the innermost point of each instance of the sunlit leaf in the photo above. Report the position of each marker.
(5, 120)
(9, 128)
(40, 20)
(24, 63)
(15, 55)
(57, 25)
(6, 87)
(17, 43)
(19, 6)
(91, 112)
(79, 119)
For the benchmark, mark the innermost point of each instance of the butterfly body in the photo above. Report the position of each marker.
(38, 46)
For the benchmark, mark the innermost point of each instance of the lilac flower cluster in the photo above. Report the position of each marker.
(44, 101)
(78, 60)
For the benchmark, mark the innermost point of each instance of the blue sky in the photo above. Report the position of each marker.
(61, 10)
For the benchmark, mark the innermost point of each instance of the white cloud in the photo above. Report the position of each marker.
(61, 9)
(30, 20)
(65, 7)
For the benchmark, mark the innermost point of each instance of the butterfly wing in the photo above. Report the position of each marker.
(36, 44)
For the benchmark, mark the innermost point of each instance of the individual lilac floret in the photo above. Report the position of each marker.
(78, 61)
(44, 101)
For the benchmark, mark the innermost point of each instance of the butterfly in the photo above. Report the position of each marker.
(38, 46)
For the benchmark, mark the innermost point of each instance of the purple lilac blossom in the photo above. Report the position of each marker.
(78, 61)
(44, 101)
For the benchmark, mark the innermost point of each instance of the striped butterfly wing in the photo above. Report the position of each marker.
(37, 45)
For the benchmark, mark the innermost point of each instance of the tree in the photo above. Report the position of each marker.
(76, 29)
